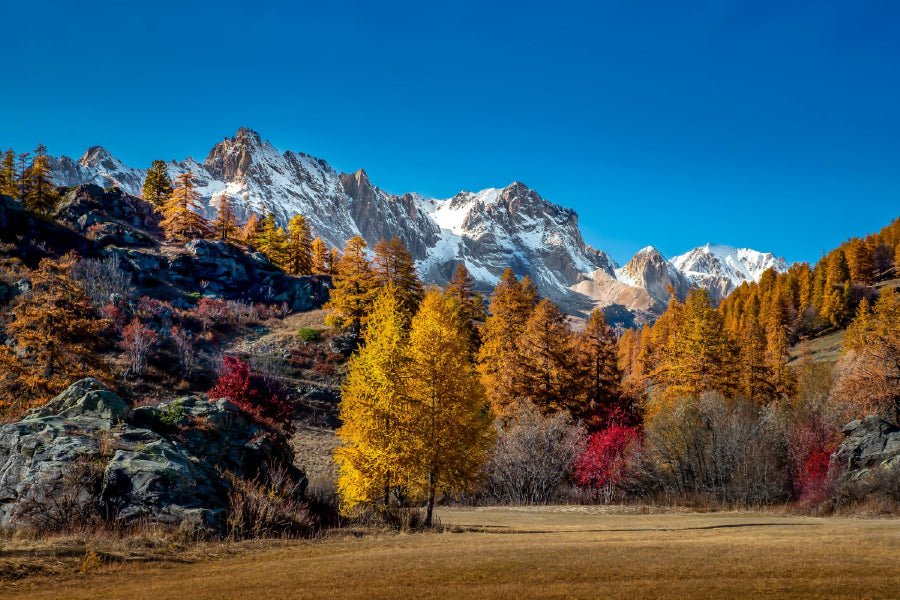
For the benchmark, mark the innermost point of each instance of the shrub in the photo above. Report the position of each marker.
(138, 341)
(809, 452)
(533, 457)
(308, 334)
(270, 506)
(188, 358)
(604, 464)
(103, 281)
(263, 400)
(212, 312)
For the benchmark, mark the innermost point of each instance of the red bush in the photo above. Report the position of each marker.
(603, 465)
(265, 401)
(212, 311)
(809, 455)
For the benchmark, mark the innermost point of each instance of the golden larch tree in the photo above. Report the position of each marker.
(354, 287)
(299, 247)
(225, 226)
(182, 219)
(321, 256)
(393, 265)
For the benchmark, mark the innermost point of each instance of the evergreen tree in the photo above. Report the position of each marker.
(512, 304)
(599, 379)
(299, 247)
(449, 421)
(321, 256)
(182, 220)
(225, 226)
(394, 265)
(354, 287)
(157, 185)
(41, 196)
(370, 459)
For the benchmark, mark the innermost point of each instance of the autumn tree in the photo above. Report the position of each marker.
(461, 287)
(321, 256)
(22, 180)
(544, 367)
(182, 219)
(371, 457)
(157, 186)
(299, 247)
(8, 179)
(393, 265)
(56, 334)
(512, 304)
(138, 340)
(354, 287)
(273, 241)
(41, 195)
(225, 226)
(599, 389)
(253, 231)
(871, 378)
(449, 419)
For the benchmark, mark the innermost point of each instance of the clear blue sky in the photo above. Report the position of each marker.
(773, 125)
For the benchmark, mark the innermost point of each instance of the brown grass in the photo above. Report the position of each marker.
(550, 552)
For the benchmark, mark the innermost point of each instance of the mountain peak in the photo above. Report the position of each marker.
(96, 155)
(245, 134)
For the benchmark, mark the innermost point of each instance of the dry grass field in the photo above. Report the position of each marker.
(554, 552)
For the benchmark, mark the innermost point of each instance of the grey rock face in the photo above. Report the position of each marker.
(870, 443)
(86, 453)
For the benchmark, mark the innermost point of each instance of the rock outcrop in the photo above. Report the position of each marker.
(871, 443)
(87, 455)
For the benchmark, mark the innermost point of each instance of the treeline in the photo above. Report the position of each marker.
(27, 179)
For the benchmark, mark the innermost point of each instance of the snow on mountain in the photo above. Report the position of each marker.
(487, 231)
(721, 269)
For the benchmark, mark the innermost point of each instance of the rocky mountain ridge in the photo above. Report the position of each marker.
(487, 231)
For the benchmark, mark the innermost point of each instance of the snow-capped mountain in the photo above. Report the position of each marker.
(487, 231)
(721, 269)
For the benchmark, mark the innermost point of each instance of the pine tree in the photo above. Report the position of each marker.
(543, 373)
(299, 247)
(41, 196)
(394, 265)
(373, 404)
(354, 287)
(320, 258)
(599, 379)
(182, 220)
(224, 226)
(157, 185)
(512, 304)
(23, 182)
(449, 421)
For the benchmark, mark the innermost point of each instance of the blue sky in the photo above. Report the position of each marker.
(772, 125)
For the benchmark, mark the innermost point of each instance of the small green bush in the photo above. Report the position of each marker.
(308, 334)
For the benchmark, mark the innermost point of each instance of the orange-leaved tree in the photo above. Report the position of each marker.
(182, 219)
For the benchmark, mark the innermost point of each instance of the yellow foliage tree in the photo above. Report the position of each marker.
(449, 419)
(373, 404)
(225, 224)
(299, 247)
(182, 220)
(393, 265)
(320, 258)
(354, 287)
(599, 387)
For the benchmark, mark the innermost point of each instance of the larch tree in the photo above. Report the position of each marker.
(41, 196)
(371, 457)
(870, 381)
(354, 287)
(253, 231)
(471, 304)
(598, 376)
(299, 247)
(57, 336)
(448, 423)
(543, 374)
(754, 375)
(333, 261)
(393, 265)
(225, 225)
(8, 179)
(321, 256)
(512, 304)
(182, 219)
(157, 185)
(22, 181)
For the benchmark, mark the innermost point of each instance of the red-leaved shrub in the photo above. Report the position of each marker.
(264, 400)
(212, 311)
(604, 464)
(809, 455)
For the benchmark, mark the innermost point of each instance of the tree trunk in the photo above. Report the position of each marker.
(429, 511)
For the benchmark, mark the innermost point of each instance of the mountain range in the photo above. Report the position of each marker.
(487, 231)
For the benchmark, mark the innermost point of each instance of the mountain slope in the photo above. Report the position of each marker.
(721, 269)
(487, 231)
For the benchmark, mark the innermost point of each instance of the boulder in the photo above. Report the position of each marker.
(86, 455)
(90, 207)
(869, 444)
